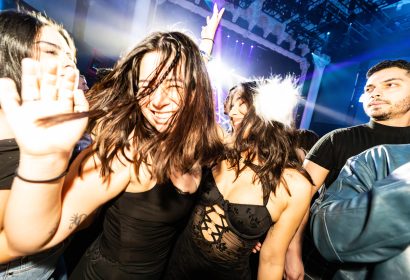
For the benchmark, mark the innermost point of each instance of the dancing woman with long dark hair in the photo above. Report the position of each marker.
(258, 187)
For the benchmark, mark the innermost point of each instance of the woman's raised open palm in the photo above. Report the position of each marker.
(46, 91)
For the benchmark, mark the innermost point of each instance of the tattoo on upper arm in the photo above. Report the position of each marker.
(76, 220)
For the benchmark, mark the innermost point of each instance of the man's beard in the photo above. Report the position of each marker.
(382, 116)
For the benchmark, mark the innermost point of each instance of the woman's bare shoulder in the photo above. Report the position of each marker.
(296, 182)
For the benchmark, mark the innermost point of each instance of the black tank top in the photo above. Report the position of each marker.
(9, 160)
(140, 228)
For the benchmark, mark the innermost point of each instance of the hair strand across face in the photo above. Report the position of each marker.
(191, 137)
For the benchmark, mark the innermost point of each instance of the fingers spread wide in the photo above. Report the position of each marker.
(30, 87)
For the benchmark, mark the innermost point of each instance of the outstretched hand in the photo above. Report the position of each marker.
(45, 93)
(209, 30)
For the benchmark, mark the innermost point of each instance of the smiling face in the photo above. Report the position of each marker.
(238, 109)
(386, 97)
(161, 105)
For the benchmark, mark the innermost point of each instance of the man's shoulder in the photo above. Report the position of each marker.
(344, 134)
(336, 146)
(349, 130)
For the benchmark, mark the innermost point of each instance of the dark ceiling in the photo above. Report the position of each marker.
(338, 28)
(333, 26)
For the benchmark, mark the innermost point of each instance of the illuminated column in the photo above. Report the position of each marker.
(320, 63)
(80, 16)
(304, 66)
(144, 15)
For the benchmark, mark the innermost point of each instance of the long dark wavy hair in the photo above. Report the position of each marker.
(19, 32)
(116, 118)
(265, 147)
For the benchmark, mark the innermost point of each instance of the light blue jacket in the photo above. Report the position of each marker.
(363, 219)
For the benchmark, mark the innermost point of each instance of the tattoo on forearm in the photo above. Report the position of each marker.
(76, 220)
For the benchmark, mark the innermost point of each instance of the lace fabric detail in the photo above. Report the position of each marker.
(226, 232)
(219, 237)
(212, 234)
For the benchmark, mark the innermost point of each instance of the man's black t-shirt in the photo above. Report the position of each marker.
(9, 160)
(335, 148)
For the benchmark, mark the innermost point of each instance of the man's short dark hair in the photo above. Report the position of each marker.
(401, 63)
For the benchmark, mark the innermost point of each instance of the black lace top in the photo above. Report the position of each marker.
(219, 237)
